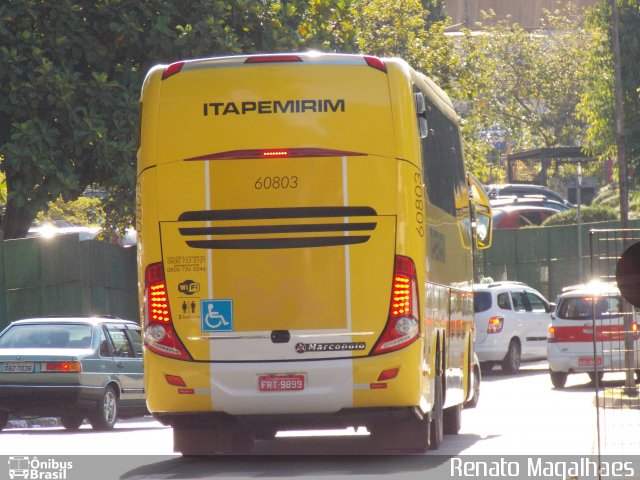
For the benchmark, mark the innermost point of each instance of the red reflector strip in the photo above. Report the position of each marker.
(186, 391)
(577, 334)
(377, 386)
(172, 70)
(276, 153)
(273, 59)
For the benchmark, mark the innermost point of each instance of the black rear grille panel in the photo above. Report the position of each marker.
(231, 237)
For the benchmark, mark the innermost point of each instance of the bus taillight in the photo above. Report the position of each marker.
(172, 70)
(402, 324)
(376, 63)
(273, 58)
(159, 334)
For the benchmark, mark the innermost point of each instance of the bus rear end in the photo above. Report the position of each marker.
(274, 285)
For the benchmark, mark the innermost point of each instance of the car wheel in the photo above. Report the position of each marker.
(511, 362)
(4, 419)
(105, 415)
(558, 379)
(71, 422)
(437, 417)
(486, 367)
(593, 376)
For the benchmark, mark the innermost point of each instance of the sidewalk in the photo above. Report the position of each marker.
(618, 431)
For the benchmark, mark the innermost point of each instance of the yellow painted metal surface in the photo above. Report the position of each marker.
(190, 123)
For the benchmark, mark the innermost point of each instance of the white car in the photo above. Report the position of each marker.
(511, 324)
(571, 347)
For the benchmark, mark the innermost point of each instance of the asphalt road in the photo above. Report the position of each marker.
(517, 415)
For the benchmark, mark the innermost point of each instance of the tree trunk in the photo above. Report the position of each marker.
(16, 221)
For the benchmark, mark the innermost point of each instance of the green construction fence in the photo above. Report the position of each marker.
(546, 258)
(65, 276)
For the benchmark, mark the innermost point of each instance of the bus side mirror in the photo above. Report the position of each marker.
(483, 230)
(481, 210)
(421, 112)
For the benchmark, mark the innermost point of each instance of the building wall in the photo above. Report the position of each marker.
(526, 13)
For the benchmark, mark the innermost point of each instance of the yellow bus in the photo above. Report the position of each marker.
(305, 236)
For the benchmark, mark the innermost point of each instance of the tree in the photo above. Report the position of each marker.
(71, 72)
(527, 83)
(597, 104)
(414, 30)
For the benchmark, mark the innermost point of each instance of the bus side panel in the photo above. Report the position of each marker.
(149, 106)
(411, 386)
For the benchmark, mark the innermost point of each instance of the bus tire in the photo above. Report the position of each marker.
(437, 416)
(4, 420)
(452, 419)
(192, 440)
(408, 435)
(473, 403)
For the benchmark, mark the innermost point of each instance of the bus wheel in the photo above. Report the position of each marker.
(558, 379)
(4, 419)
(408, 435)
(193, 440)
(437, 416)
(452, 418)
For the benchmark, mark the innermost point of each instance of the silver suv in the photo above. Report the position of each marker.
(511, 324)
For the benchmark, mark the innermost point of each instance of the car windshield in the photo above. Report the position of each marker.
(47, 336)
(481, 301)
(583, 308)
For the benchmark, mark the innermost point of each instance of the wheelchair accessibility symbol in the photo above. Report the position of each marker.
(216, 315)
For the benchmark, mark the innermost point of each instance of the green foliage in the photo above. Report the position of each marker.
(71, 72)
(590, 214)
(597, 105)
(528, 83)
(414, 30)
(83, 212)
(610, 196)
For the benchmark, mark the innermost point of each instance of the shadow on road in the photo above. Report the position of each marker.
(326, 457)
(282, 466)
(526, 370)
(32, 426)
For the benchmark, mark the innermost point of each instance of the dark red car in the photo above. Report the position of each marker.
(517, 216)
